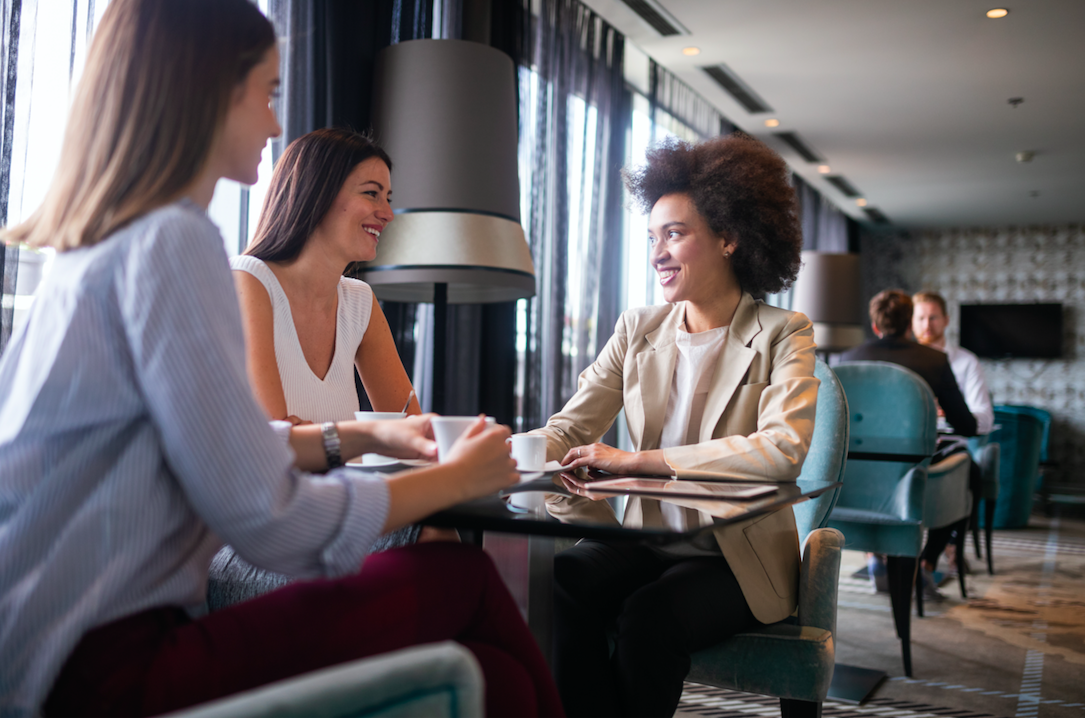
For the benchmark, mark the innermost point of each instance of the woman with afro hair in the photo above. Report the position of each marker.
(714, 381)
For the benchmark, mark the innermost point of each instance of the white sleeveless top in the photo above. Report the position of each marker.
(308, 397)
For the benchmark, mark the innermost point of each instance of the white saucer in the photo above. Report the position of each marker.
(387, 461)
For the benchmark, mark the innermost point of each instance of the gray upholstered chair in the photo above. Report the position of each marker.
(947, 501)
(794, 659)
(439, 680)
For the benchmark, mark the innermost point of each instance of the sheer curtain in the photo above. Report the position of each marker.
(573, 118)
(44, 49)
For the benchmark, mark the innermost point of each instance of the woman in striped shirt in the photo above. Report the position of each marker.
(130, 441)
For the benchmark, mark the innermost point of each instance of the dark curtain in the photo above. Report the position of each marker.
(824, 227)
(671, 99)
(574, 117)
(10, 12)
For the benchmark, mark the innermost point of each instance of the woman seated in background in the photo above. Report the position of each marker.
(130, 440)
(714, 381)
(306, 325)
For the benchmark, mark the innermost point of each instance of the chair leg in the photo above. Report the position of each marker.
(901, 570)
(989, 525)
(975, 521)
(919, 596)
(962, 528)
(790, 708)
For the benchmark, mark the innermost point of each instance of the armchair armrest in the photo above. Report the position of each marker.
(908, 498)
(439, 679)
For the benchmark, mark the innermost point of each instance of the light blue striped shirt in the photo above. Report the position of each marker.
(131, 448)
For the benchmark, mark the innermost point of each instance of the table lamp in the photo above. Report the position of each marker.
(827, 291)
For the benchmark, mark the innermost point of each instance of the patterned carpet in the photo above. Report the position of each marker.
(1015, 647)
(698, 700)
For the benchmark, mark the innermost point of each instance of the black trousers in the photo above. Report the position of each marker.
(938, 539)
(656, 610)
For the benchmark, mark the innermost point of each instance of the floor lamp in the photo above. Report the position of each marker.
(445, 111)
(827, 291)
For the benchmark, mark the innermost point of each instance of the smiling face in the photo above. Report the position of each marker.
(250, 123)
(692, 263)
(361, 211)
(929, 323)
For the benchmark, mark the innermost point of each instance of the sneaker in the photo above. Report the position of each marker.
(878, 575)
(930, 588)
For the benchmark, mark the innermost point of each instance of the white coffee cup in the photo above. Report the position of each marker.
(446, 429)
(376, 459)
(529, 450)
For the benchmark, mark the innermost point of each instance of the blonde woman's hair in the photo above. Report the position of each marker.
(158, 82)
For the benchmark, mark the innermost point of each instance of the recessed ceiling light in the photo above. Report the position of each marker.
(772, 123)
(997, 12)
(861, 202)
(691, 51)
(824, 169)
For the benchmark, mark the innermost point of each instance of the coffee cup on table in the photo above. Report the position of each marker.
(446, 429)
(529, 450)
(378, 459)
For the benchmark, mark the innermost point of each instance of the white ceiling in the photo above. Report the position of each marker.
(907, 99)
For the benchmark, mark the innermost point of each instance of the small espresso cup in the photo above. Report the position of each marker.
(446, 429)
(378, 459)
(529, 450)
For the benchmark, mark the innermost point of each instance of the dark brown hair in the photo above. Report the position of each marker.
(159, 80)
(891, 312)
(304, 185)
(743, 190)
(932, 298)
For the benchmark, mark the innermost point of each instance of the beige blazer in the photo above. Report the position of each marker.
(757, 424)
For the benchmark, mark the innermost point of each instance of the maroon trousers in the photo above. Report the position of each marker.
(160, 660)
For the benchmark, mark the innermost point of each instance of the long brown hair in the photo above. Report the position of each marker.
(158, 82)
(304, 185)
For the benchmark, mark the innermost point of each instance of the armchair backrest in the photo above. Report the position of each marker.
(887, 403)
(1041, 415)
(828, 452)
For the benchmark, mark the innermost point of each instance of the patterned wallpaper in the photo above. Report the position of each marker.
(1004, 264)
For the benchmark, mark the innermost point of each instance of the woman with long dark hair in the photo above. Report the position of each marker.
(130, 441)
(307, 326)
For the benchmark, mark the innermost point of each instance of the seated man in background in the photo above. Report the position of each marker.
(929, 321)
(891, 319)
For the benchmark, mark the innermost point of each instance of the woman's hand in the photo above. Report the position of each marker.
(483, 452)
(409, 438)
(614, 461)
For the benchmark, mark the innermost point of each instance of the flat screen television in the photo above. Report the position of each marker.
(1012, 331)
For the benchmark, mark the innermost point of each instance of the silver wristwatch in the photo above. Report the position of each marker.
(332, 444)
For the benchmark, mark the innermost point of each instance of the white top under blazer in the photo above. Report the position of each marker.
(308, 397)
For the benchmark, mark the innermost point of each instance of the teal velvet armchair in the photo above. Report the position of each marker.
(881, 503)
(793, 660)
(1021, 432)
(441, 680)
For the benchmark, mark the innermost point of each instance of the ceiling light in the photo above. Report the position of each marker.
(861, 202)
(997, 13)
(824, 169)
(772, 123)
(691, 51)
